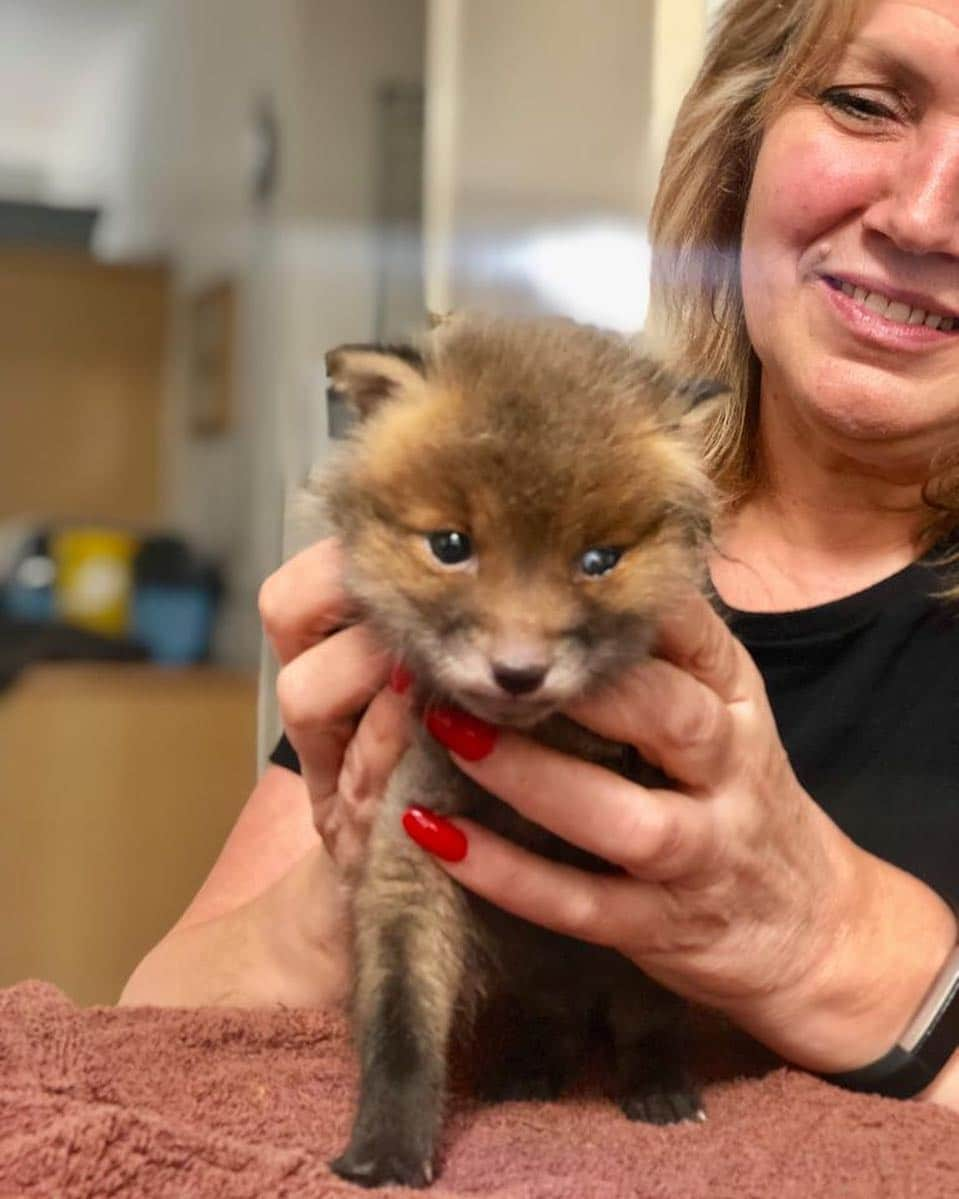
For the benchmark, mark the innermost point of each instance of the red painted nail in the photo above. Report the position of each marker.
(434, 834)
(400, 678)
(464, 734)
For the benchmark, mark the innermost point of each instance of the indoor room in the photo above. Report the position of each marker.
(479, 543)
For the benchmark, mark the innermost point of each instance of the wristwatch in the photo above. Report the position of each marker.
(923, 1049)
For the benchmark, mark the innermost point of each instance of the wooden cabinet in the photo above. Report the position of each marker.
(118, 785)
(82, 354)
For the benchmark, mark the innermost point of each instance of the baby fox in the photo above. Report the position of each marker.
(519, 504)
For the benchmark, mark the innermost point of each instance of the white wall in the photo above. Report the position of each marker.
(62, 83)
(546, 124)
(304, 269)
(679, 39)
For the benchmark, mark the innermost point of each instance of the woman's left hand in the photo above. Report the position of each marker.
(736, 890)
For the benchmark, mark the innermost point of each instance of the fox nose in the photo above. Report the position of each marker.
(518, 680)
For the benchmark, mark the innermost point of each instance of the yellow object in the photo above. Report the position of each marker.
(94, 578)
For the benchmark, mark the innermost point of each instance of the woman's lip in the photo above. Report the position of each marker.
(913, 298)
(869, 326)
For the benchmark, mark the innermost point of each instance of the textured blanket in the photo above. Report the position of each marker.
(152, 1103)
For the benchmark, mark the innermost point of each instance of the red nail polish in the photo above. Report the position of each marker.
(400, 678)
(464, 734)
(434, 834)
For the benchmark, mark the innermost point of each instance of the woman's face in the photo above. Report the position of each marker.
(858, 192)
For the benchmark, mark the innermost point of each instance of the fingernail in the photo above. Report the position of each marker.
(400, 678)
(434, 834)
(464, 734)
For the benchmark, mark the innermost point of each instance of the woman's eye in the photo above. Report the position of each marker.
(857, 107)
(450, 547)
(599, 561)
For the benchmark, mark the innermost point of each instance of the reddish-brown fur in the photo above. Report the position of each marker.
(538, 442)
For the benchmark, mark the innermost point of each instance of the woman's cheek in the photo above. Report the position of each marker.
(812, 178)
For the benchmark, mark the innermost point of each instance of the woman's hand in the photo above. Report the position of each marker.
(269, 924)
(736, 890)
(347, 727)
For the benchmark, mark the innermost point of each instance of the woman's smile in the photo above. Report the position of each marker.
(851, 285)
(884, 318)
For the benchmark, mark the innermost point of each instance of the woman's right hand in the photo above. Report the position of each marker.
(347, 726)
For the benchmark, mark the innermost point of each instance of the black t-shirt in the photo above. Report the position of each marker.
(865, 691)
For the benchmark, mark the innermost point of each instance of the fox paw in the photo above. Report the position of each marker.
(663, 1106)
(377, 1165)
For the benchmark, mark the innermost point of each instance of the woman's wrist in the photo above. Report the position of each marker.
(288, 946)
(881, 947)
(272, 833)
(304, 929)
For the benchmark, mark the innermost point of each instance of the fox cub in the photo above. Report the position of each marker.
(519, 502)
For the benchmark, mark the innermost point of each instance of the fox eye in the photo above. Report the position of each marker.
(450, 547)
(599, 561)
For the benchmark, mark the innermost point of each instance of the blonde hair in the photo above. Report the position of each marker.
(761, 53)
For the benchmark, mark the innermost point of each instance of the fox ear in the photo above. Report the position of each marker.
(693, 403)
(368, 375)
(693, 392)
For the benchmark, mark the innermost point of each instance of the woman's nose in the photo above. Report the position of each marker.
(920, 211)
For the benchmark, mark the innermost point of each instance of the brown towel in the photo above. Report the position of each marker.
(149, 1103)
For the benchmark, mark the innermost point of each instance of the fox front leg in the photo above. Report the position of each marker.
(649, 1039)
(409, 976)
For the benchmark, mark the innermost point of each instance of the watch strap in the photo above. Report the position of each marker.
(922, 1051)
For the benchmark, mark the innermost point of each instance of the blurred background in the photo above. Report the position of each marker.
(197, 199)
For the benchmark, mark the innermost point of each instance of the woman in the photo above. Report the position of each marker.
(808, 228)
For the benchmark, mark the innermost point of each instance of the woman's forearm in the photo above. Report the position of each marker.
(287, 945)
(273, 832)
(875, 971)
(267, 924)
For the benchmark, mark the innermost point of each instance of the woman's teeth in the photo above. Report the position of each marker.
(894, 310)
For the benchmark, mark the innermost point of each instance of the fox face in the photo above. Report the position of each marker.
(519, 503)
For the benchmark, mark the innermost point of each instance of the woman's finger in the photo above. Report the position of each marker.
(676, 722)
(322, 693)
(654, 834)
(606, 909)
(694, 637)
(303, 601)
